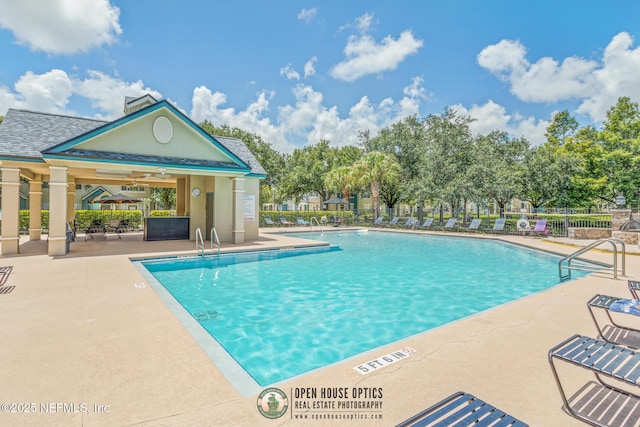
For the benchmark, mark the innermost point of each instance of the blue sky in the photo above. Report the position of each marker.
(297, 72)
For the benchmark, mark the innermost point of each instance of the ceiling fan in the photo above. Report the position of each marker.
(163, 174)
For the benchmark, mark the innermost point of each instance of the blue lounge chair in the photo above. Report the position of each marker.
(301, 221)
(378, 221)
(475, 224)
(462, 409)
(409, 223)
(394, 221)
(499, 224)
(284, 221)
(613, 332)
(269, 221)
(427, 223)
(450, 224)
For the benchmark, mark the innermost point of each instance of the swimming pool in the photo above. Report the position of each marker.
(282, 313)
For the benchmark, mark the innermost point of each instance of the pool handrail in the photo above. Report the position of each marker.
(214, 233)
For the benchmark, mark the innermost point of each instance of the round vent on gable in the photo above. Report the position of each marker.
(162, 129)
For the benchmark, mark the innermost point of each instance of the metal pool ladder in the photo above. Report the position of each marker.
(317, 222)
(217, 241)
(199, 242)
(612, 268)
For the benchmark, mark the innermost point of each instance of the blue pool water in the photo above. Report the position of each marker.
(285, 312)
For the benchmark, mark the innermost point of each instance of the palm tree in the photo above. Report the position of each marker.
(375, 170)
(341, 179)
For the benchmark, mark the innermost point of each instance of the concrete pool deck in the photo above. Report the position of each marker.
(84, 344)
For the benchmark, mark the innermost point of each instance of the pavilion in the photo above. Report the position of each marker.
(217, 179)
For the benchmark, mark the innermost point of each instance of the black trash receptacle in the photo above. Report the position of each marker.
(70, 238)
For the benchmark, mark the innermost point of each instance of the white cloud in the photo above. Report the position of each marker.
(61, 26)
(364, 23)
(617, 77)
(307, 15)
(107, 93)
(596, 84)
(50, 92)
(289, 73)
(308, 120)
(365, 56)
(491, 116)
(310, 67)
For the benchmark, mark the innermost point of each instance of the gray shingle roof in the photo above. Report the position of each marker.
(26, 134)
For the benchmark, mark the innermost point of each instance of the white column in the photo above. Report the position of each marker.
(237, 226)
(57, 210)
(10, 210)
(35, 208)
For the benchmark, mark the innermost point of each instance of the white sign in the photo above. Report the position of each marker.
(249, 207)
(386, 360)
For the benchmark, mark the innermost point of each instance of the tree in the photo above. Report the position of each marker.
(376, 170)
(498, 167)
(562, 127)
(165, 196)
(341, 180)
(449, 146)
(547, 176)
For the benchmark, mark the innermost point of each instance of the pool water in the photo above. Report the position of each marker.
(285, 312)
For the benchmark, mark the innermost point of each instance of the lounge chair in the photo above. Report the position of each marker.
(611, 331)
(394, 221)
(634, 288)
(409, 223)
(462, 409)
(4, 274)
(540, 228)
(475, 224)
(597, 402)
(427, 223)
(378, 221)
(301, 221)
(499, 224)
(269, 221)
(284, 221)
(113, 225)
(450, 224)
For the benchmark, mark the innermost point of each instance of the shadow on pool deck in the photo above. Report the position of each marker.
(77, 329)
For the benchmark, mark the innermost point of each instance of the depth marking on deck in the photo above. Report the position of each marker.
(386, 360)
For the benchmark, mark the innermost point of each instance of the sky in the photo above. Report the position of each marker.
(297, 72)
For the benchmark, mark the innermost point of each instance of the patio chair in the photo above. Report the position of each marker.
(597, 402)
(450, 223)
(378, 221)
(427, 223)
(634, 288)
(284, 221)
(113, 225)
(613, 332)
(475, 224)
(409, 223)
(123, 226)
(394, 221)
(4, 274)
(301, 221)
(462, 409)
(499, 224)
(269, 221)
(540, 228)
(96, 227)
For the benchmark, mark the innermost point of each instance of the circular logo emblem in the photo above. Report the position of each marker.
(273, 403)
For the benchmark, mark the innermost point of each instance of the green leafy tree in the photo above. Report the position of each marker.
(498, 167)
(165, 196)
(341, 180)
(547, 176)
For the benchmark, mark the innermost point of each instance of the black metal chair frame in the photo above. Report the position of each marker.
(462, 409)
(600, 403)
